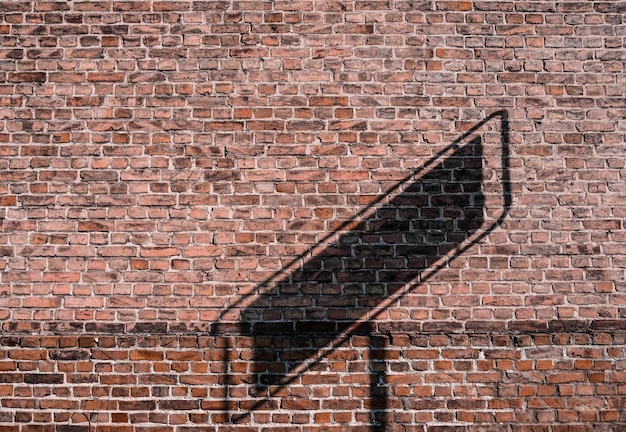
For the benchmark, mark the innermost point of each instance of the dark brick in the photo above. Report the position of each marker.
(179, 405)
(19, 77)
(43, 378)
(69, 354)
(528, 326)
(148, 327)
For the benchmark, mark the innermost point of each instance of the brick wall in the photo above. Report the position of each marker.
(312, 215)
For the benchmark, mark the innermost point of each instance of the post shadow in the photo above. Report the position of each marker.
(299, 318)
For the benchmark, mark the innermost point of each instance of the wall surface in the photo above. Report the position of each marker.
(317, 215)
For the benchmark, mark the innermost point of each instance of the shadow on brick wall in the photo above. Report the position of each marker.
(301, 321)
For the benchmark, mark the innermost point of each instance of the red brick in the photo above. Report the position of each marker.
(8, 200)
(159, 252)
(133, 6)
(105, 77)
(170, 170)
(454, 5)
(96, 226)
(146, 355)
(328, 101)
(202, 251)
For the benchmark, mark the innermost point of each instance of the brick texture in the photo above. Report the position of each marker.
(346, 215)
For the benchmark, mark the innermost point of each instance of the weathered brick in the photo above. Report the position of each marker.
(421, 199)
(43, 379)
(8, 200)
(20, 77)
(96, 226)
(106, 77)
